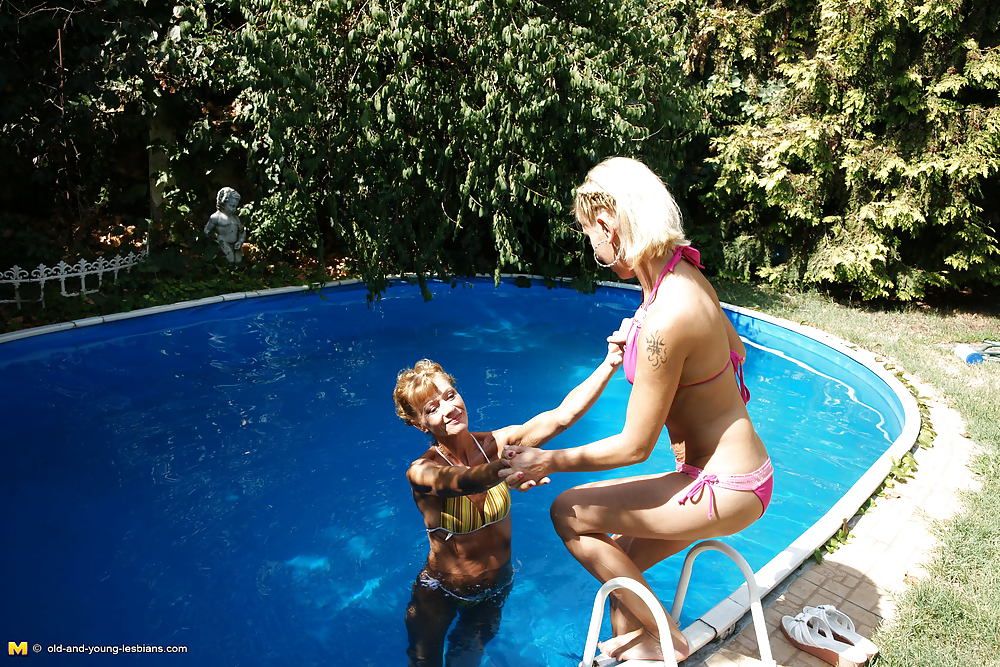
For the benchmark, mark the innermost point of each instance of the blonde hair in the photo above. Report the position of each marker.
(649, 220)
(414, 386)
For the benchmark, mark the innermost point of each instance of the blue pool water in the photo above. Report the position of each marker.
(231, 478)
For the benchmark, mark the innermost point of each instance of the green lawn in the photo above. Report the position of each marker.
(953, 616)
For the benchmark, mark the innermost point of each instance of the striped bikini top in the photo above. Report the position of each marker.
(460, 516)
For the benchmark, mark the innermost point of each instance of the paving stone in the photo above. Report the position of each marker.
(782, 607)
(803, 588)
(887, 607)
(720, 658)
(783, 652)
(888, 576)
(837, 589)
(815, 575)
(866, 596)
(795, 600)
(857, 555)
(733, 657)
(803, 659)
(941, 506)
(861, 615)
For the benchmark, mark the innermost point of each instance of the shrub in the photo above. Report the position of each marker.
(432, 136)
(868, 147)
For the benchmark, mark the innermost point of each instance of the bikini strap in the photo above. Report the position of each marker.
(690, 253)
(737, 361)
(481, 451)
(686, 252)
(437, 448)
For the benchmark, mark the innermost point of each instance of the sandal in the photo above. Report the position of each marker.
(843, 627)
(811, 633)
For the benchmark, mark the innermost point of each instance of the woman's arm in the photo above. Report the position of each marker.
(664, 347)
(434, 479)
(543, 427)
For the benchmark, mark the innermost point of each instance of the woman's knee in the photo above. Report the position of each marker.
(562, 512)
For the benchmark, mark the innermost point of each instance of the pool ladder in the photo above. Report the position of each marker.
(666, 642)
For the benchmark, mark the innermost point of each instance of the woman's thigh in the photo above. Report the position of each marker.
(646, 552)
(481, 621)
(649, 507)
(428, 616)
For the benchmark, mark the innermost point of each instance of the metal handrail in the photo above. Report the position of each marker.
(756, 609)
(597, 616)
(666, 642)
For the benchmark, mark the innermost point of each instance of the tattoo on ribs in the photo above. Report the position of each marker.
(657, 353)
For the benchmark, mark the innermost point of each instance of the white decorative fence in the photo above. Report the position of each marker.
(18, 277)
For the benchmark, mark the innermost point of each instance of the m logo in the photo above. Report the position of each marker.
(15, 648)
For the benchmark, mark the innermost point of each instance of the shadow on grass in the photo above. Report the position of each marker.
(969, 302)
(747, 295)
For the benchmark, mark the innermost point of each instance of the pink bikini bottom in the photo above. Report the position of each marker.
(760, 481)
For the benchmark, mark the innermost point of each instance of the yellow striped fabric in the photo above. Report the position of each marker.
(459, 515)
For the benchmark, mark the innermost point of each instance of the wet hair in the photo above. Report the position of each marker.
(648, 217)
(414, 386)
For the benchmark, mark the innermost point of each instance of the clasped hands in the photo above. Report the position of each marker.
(524, 470)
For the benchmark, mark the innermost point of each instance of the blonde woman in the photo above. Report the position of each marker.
(457, 487)
(680, 354)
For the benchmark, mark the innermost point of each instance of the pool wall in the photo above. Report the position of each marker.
(862, 365)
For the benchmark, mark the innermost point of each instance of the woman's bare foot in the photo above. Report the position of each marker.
(646, 648)
(619, 643)
(643, 646)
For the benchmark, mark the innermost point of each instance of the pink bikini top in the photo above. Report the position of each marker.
(692, 255)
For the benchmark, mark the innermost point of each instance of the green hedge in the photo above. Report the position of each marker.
(850, 144)
(867, 146)
(438, 136)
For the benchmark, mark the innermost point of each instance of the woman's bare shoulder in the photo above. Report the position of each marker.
(492, 441)
(678, 317)
(424, 459)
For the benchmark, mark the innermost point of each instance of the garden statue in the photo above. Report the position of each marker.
(230, 232)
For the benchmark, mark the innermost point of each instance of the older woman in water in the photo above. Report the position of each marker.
(466, 506)
(684, 360)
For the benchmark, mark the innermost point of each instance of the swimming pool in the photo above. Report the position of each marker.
(230, 477)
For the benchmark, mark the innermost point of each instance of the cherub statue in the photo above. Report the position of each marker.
(230, 232)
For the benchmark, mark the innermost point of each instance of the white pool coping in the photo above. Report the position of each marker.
(718, 621)
(153, 310)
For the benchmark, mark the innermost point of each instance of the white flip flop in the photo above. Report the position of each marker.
(843, 627)
(812, 633)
